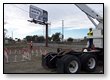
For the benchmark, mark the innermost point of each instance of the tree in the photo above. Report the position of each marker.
(19, 40)
(49, 38)
(40, 39)
(56, 37)
(85, 38)
(34, 38)
(70, 39)
(16, 39)
(29, 38)
(10, 39)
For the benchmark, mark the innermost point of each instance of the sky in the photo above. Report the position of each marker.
(76, 23)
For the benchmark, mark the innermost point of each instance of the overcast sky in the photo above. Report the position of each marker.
(76, 23)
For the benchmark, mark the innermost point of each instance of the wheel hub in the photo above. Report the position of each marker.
(73, 66)
(91, 63)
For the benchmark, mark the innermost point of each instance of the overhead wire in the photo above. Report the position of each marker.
(20, 8)
(14, 5)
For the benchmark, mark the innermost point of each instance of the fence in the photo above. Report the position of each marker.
(13, 54)
(21, 52)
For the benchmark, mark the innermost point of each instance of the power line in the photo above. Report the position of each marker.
(19, 8)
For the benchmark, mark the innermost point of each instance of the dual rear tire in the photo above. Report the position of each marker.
(70, 63)
(73, 64)
(89, 62)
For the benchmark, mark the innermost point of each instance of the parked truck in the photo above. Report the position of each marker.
(71, 61)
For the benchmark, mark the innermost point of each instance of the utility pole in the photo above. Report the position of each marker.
(12, 34)
(62, 30)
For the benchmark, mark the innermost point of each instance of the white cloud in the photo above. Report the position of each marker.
(21, 27)
(16, 16)
(74, 22)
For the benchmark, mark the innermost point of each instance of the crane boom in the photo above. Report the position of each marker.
(98, 32)
(91, 14)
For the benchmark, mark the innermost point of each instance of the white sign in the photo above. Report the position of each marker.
(38, 14)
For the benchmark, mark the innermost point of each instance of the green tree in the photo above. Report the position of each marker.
(70, 39)
(28, 38)
(40, 39)
(34, 38)
(56, 37)
(19, 40)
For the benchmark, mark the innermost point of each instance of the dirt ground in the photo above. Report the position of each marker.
(34, 65)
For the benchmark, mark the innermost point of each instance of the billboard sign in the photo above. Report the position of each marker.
(38, 14)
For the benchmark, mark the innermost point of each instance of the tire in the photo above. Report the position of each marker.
(48, 61)
(71, 64)
(89, 62)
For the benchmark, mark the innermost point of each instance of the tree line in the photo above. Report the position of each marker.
(35, 38)
(57, 37)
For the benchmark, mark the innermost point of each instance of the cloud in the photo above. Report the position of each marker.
(73, 22)
(16, 16)
(21, 27)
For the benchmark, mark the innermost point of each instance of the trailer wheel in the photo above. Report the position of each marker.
(71, 64)
(89, 62)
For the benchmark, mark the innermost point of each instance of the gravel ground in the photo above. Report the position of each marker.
(34, 65)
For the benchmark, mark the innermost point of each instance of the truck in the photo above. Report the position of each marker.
(71, 61)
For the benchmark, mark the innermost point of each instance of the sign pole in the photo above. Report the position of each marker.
(46, 44)
(39, 16)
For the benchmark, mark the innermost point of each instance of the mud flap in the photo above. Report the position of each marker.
(60, 66)
(44, 62)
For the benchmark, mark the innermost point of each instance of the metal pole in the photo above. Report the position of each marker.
(46, 44)
(12, 34)
(62, 30)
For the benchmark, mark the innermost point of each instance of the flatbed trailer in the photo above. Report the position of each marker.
(70, 61)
